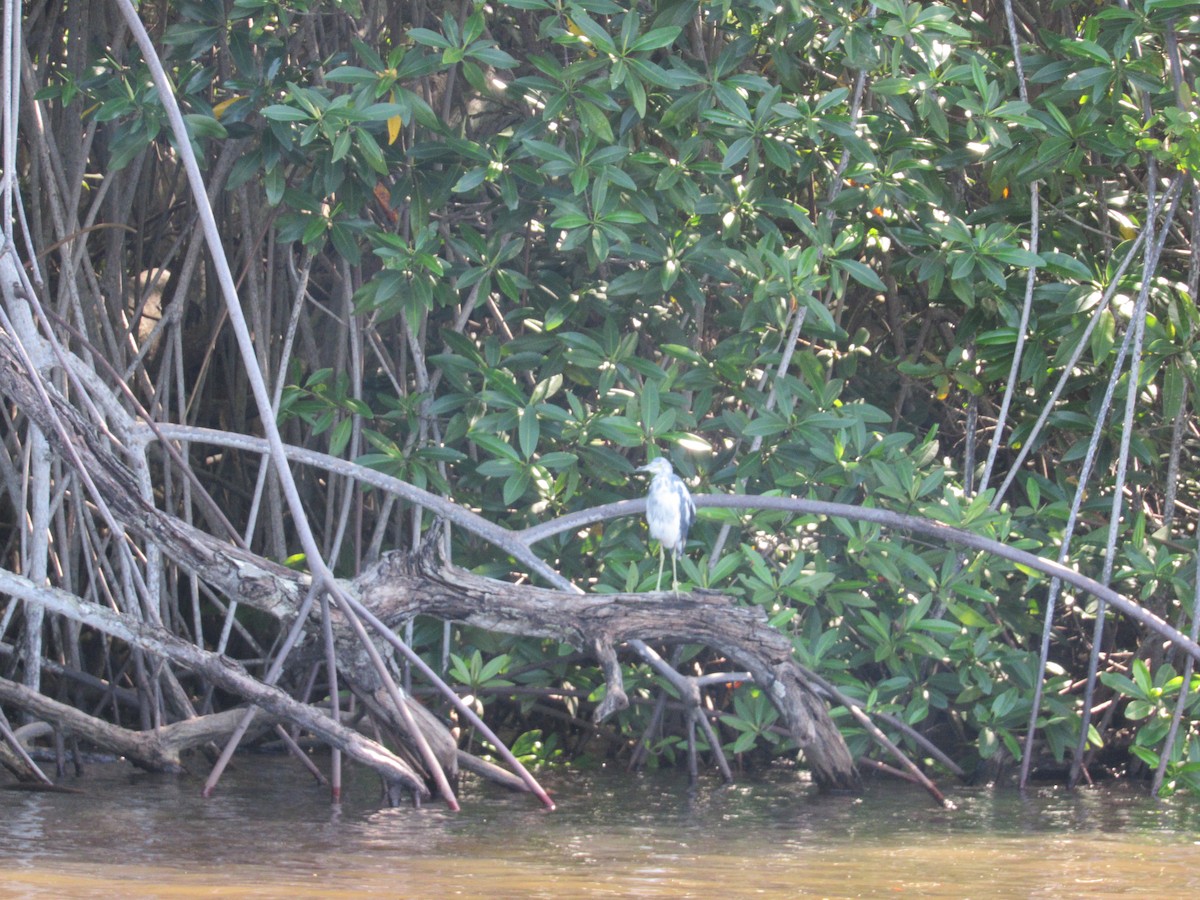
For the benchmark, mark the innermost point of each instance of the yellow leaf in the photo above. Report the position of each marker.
(578, 32)
(1126, 226)
(394, 124)
(219, 109)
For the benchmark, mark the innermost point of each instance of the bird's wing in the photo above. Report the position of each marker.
(687, 515)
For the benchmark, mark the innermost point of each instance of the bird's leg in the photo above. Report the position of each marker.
(658, 584)
(674, 574)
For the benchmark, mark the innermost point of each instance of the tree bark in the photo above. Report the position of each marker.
(402, 585)
(159, 750)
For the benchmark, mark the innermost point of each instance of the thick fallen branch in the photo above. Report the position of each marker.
(160, 750)
(403, 585)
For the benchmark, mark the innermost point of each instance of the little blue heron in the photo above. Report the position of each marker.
(669, 513)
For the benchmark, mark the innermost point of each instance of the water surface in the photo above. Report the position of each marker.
(269, 831)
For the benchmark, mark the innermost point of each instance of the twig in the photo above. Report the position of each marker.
(18, 748)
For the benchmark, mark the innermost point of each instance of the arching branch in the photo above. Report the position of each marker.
(931, 528)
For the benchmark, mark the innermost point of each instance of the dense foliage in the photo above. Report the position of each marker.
(872, 253)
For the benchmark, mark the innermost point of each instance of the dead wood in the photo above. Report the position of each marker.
(402, 585)
(471, 763)
(15, 758)
(159, 750)
(222, 671)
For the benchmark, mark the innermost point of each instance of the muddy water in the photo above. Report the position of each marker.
(269, 832)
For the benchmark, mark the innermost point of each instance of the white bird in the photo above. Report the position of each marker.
(670, 512)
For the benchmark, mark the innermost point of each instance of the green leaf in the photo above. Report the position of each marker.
(428, 38)
(515, 487)
(967, 616)
(340, 436)
(558, 460)
(656, 38)
(280, 113)
(470, 180)
(493, 667)
(1174, 390)
(1065, 264)
(594, 32)
(494, 445)
(345, 241)
(637, 94)
(693, 443)
(861, 273)
(496, 468)
(1142, 677)
(341, 146)
(1103, 337)
(371, 151)
(491, 55)
(737, 151)
(571, 220)
(528, 432)
(595, 121)
(274, 184)
(201, 126)
(1120, 684)
(351, 75)
(1016, 256)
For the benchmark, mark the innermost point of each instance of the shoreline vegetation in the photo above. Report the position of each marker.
(334, 330)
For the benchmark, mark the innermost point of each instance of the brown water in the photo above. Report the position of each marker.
(269, 832)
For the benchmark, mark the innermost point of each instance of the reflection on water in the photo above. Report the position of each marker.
(270, 832)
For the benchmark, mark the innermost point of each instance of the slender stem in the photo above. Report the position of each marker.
(1068, 368)
(713, 744)
(294, 634)
(445, 690)
(1064, 552)
(1181, 701)
(1132, 390)
(1010, 386)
